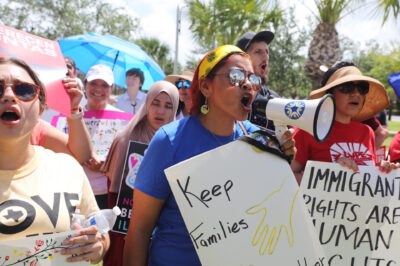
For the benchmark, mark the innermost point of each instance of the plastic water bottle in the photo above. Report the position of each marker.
(78, 218)
(103, 219)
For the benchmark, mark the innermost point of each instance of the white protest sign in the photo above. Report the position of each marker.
(103, 126)
(356, 215)
(242, 207)
(36, 250)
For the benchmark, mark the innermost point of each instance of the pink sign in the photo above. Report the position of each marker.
(45, 57)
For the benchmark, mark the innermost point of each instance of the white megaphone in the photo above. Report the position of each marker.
(314, 116)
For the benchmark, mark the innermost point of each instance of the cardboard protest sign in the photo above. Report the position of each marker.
(133, 158)
(380, 154)
(103, 126)
(45, 57)
(241, 207)
(36, 250)
(356, 215)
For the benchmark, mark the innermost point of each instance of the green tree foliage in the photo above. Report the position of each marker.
(219, 22)
(388, 8)
(55, 19)
(379, 62)
(158, 51)
(287, 75)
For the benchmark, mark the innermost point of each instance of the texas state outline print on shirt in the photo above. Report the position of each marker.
(356, 151)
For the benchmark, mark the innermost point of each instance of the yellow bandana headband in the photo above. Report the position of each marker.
(215, 56)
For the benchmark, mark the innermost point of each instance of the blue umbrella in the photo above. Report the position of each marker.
(120, 55)
(394, 81)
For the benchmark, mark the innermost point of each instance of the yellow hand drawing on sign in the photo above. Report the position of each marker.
(266, 235)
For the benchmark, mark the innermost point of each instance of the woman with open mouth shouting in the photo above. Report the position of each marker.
(32, 177)
(222, 90)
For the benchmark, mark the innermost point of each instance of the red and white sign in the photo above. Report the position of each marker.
(45, 57)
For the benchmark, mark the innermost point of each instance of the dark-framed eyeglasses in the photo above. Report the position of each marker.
(349, 87)
(238, 76)
(182, 84)
(23, 91)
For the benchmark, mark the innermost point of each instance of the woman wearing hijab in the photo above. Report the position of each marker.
(159, 109)
(223, 88)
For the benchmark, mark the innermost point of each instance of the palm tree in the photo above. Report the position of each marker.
(158, 51)
(324, 48)
(218, 22)
(388, 7)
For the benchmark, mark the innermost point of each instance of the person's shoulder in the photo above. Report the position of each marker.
(177, 125)
(122, 96)
(110, 107)
(250, 127)
(141, 95)
(359, 126)
(59, 160)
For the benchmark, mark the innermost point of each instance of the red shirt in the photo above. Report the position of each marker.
(353, 140)
(394, 148)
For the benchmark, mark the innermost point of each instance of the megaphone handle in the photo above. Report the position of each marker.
(279, 131)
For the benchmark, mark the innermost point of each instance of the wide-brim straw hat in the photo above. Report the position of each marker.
(376, 99)
(187, 75)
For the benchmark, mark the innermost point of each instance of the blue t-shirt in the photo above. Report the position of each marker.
(173, 143)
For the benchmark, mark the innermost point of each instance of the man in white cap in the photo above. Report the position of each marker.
(256, 46)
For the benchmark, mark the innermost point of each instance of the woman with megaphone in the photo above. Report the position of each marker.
(222, 91)
(350, 142)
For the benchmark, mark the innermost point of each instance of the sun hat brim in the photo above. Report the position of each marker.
(376, 99)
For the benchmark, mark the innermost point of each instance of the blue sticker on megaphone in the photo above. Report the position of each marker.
(295, 109)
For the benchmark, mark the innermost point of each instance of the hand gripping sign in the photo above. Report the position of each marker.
(241, 207)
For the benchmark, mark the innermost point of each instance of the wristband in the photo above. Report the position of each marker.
(77, 115)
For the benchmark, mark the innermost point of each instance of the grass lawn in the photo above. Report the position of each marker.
(393, 127)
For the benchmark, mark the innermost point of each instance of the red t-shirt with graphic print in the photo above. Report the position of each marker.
(353, 140)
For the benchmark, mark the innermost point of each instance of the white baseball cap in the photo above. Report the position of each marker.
(100, 72)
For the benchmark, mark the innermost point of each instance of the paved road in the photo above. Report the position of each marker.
(395, 118)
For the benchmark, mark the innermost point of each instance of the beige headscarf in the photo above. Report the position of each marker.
(138, 129)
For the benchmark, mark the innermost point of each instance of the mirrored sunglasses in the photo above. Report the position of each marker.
(23, 91)
(238, 76)
(182, 83)
(349, 87)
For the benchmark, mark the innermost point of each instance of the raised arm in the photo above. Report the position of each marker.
(77, 143)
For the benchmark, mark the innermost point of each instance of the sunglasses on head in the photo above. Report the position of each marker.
(24, 91)
(349, 87)
(238, 76)
(182, 83)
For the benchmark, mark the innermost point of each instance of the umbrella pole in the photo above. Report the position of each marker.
(115, 60)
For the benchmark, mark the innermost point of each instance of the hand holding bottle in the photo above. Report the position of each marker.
(87, 244)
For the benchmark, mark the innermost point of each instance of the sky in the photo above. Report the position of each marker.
(158, 19)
